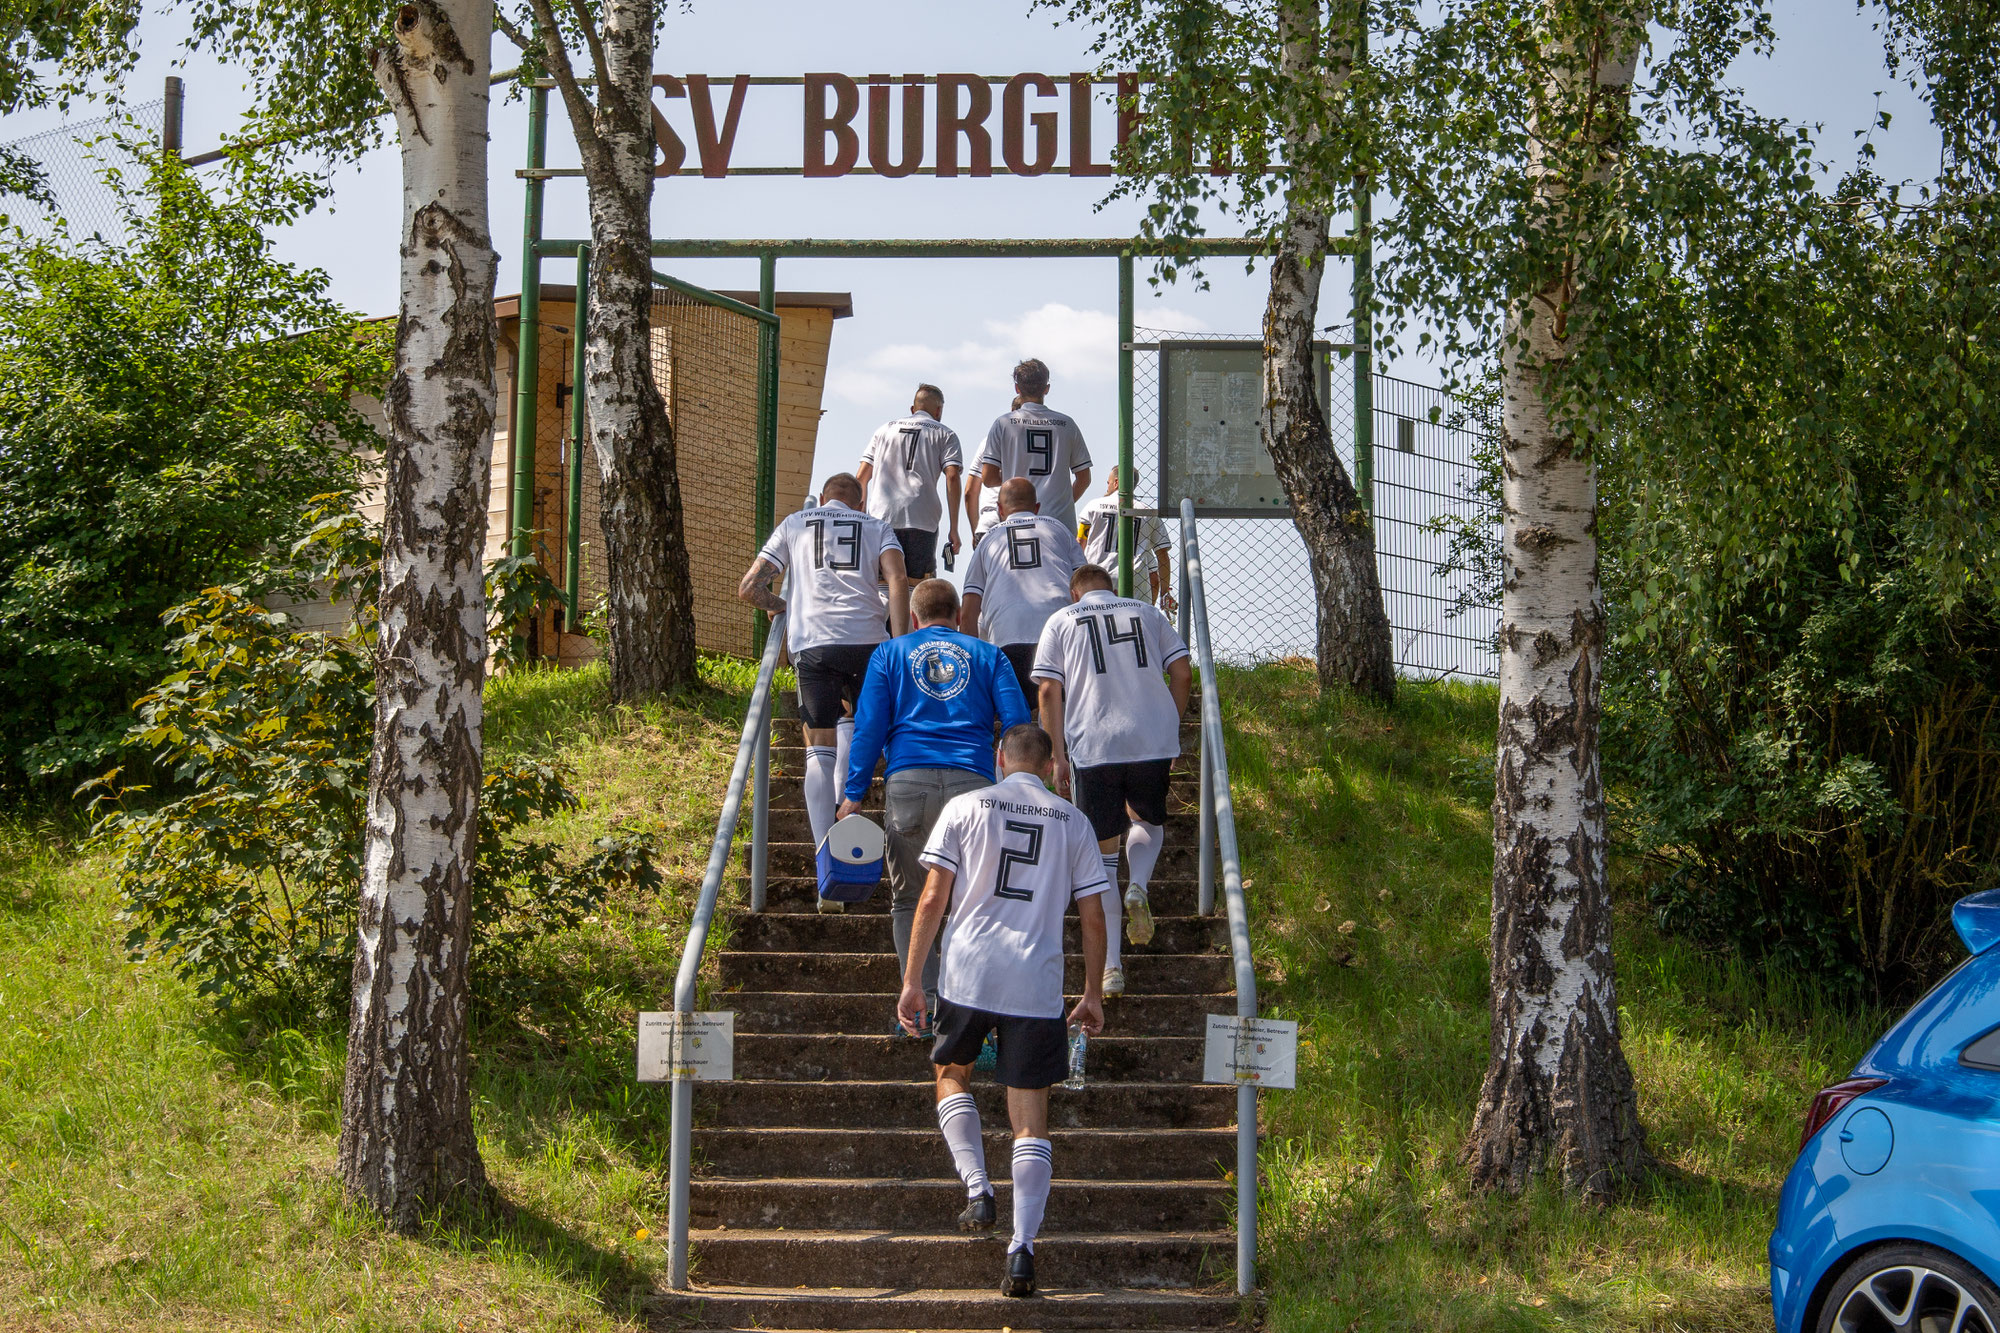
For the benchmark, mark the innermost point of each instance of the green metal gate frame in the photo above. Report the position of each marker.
(535, 248)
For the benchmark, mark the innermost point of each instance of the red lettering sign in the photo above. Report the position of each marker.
(839, 123)
(971, 123)
(878, 125)
(1014, 121)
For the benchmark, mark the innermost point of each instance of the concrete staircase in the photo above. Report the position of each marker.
(824, 1197)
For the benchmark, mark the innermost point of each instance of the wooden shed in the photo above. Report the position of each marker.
(705, 362)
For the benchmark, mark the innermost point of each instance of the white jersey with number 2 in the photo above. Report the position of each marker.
(1019, 854)
(1107, 652)
(832, 558)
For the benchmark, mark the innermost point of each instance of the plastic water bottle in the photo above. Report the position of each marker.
(1079, 1042)
(950, 556)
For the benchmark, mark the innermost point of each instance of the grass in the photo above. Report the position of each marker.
(1367, 846)
(165, 1167)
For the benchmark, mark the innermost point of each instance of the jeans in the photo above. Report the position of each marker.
(912, 799)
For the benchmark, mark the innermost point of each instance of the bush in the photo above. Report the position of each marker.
(166, 413)
(246, 881)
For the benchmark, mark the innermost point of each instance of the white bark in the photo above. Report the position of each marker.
(407, 1141)
(1557, 1091)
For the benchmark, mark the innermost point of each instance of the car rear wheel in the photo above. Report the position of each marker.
(1910, 1289)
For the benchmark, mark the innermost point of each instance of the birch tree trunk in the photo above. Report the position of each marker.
(406, 1139)
(1354, 644)
(1557, 1092)
(650, 590)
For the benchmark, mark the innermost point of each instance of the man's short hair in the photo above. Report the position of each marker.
(1091, 576)
(1016, 494)
(842, 486)
(934, 599)
(1027, 745)
(1031, 376)
(928, 393)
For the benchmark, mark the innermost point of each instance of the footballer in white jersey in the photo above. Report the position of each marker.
(1037, 442)
(1113, 680)
(901, 467)
(1006, 862)
(1018, 577)
(1098, 524)
(843, 573)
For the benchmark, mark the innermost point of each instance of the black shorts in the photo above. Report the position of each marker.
(1033, 1052)
(1102, 792)
(1021, 656)
(828, 677)
(919, 552)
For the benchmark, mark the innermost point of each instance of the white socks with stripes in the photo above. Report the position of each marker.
(1114, 937)
(958, 1117)
(1143, 845)
(1032, 1169)
(821, 789)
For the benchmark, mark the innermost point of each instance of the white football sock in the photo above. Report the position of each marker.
(820, 789)
(958, 1117)
(1114, 937)
(843, 737)
(1142, 850)
(1032, 1169)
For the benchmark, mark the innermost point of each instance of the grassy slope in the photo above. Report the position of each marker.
(160, 1168)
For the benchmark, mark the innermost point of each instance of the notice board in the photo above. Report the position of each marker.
(1211, 426)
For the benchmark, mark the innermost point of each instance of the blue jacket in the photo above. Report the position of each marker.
(932, 697)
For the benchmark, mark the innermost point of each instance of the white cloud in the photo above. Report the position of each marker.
(1080, 346)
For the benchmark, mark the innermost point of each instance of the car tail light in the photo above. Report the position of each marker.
(1829, 1102)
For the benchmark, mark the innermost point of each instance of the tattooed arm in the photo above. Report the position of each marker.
(756, 587)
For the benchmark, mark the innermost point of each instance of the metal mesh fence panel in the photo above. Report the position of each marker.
(1428, 501)
(705, 364)
(72, 160)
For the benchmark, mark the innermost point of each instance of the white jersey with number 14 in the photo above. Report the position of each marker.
(1107, 652)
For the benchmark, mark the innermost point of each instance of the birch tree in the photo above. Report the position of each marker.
(1225, 82)
(650, 591)
(406, 1135)
(407, 1142)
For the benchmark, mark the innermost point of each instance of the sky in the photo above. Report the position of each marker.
(960, 324)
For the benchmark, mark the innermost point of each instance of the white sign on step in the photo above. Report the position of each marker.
(674, 1045)
(1263, 1052)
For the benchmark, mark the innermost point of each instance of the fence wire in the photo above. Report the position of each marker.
(1430, 504)
(705, 364)
(72, 160)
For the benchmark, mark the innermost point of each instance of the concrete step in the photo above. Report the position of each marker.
(1112, 1059)
(910, 1104)
(799, 1012)
(856, 932)
(875, 1205)
(1146, 973)
(718, 1306)
(794, 856)
(920, 1154)
(795, 891)
(908, 1259)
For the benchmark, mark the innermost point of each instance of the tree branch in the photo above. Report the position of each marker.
(595, 43)
(589, 143)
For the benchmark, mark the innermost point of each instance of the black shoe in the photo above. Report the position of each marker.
(979, 1214)
(1020, 1274)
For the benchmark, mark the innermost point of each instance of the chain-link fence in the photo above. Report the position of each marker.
(705, 361)
(71, 161)
(1428, 495)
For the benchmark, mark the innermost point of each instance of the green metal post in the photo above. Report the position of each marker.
(1364, 313)
(767, 412)
(528, 351)
(573, 511)
(1125, 524)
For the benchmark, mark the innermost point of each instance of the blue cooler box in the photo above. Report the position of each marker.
(850, 860)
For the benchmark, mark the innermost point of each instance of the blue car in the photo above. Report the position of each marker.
(1890, 1219)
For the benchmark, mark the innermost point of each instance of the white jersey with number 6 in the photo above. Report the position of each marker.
(832, 558)
(1107, 652)
(1043, 445)
(1019, 854)
(1021, 572)
(909, 455)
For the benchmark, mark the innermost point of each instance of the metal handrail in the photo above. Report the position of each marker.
(1218, 835)
(752, 752)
